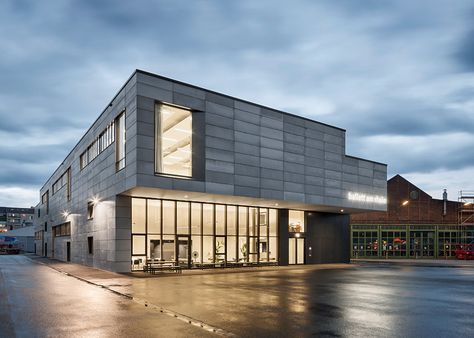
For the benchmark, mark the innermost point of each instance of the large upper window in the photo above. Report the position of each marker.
(174, 140)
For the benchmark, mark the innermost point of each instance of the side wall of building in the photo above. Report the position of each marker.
(98, 181)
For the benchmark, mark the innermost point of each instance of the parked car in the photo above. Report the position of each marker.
(9, 245)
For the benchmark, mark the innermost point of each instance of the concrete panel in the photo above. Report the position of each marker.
(218, 154)
(271, 153)
(218, 188)
(246, 138)
(314, 180)
(294, 167)
(293, 158)
(271, 194)
(271, 133)
(220, 121)
(247, 181)
(219, 177)
(247, 159)
(333, 157)
(271, 123)
(242, 169)
(271, 143)
(247, 191)
(215, 165)
(298, 121)
(270, 113)
(219, 143)
(246, 127)
(246, 116)
(292, 138)
(154, 92)
(293, 177)
(294, 129)
(219, 109)
(332, 183)
(272, 174)
(271, 184)
(294, 148)
(314, 189)
(246, 106)
(189, 185)
(293, 196)
(219, 99)
(188, 101)
(333, 139)
(189, 91)
(294, 187)
(246, 148)
(331, 174)
(271, 164)
(154, 81)
(366, 172)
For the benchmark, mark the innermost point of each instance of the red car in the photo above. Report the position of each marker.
(465, 251)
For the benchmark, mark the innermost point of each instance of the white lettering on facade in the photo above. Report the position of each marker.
(360, 197)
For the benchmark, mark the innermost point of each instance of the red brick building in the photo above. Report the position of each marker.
(415, 225)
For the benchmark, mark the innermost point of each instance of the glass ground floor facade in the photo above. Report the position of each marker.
(197, 235)
(408, 241)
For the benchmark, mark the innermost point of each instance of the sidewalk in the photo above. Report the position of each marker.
(447, 263)
(109, 279)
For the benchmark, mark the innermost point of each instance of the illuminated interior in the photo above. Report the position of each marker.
(196, 235)
(296, 221)
(174, 140)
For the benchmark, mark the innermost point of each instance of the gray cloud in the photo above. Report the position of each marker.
(392, 73)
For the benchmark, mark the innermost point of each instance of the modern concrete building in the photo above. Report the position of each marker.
(178, 173)
(14, 218)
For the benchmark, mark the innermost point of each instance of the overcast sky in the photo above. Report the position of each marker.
(397, 75)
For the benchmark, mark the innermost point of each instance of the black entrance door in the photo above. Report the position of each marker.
(68, 251)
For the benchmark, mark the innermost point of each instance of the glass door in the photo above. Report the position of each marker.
(183, 251)
(220, 250)
(296, 251)
(168, 250)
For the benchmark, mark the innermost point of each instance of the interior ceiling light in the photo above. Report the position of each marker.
(405, 203)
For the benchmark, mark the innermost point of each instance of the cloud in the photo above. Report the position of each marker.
(19, 197)
(398, 76)
(433, 183)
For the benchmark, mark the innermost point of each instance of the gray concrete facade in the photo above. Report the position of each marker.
(242, 153)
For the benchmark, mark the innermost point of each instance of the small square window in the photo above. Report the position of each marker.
(90, 210)
(90, 245)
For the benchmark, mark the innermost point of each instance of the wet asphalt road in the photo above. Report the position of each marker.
(361, 301)
(36, 301)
